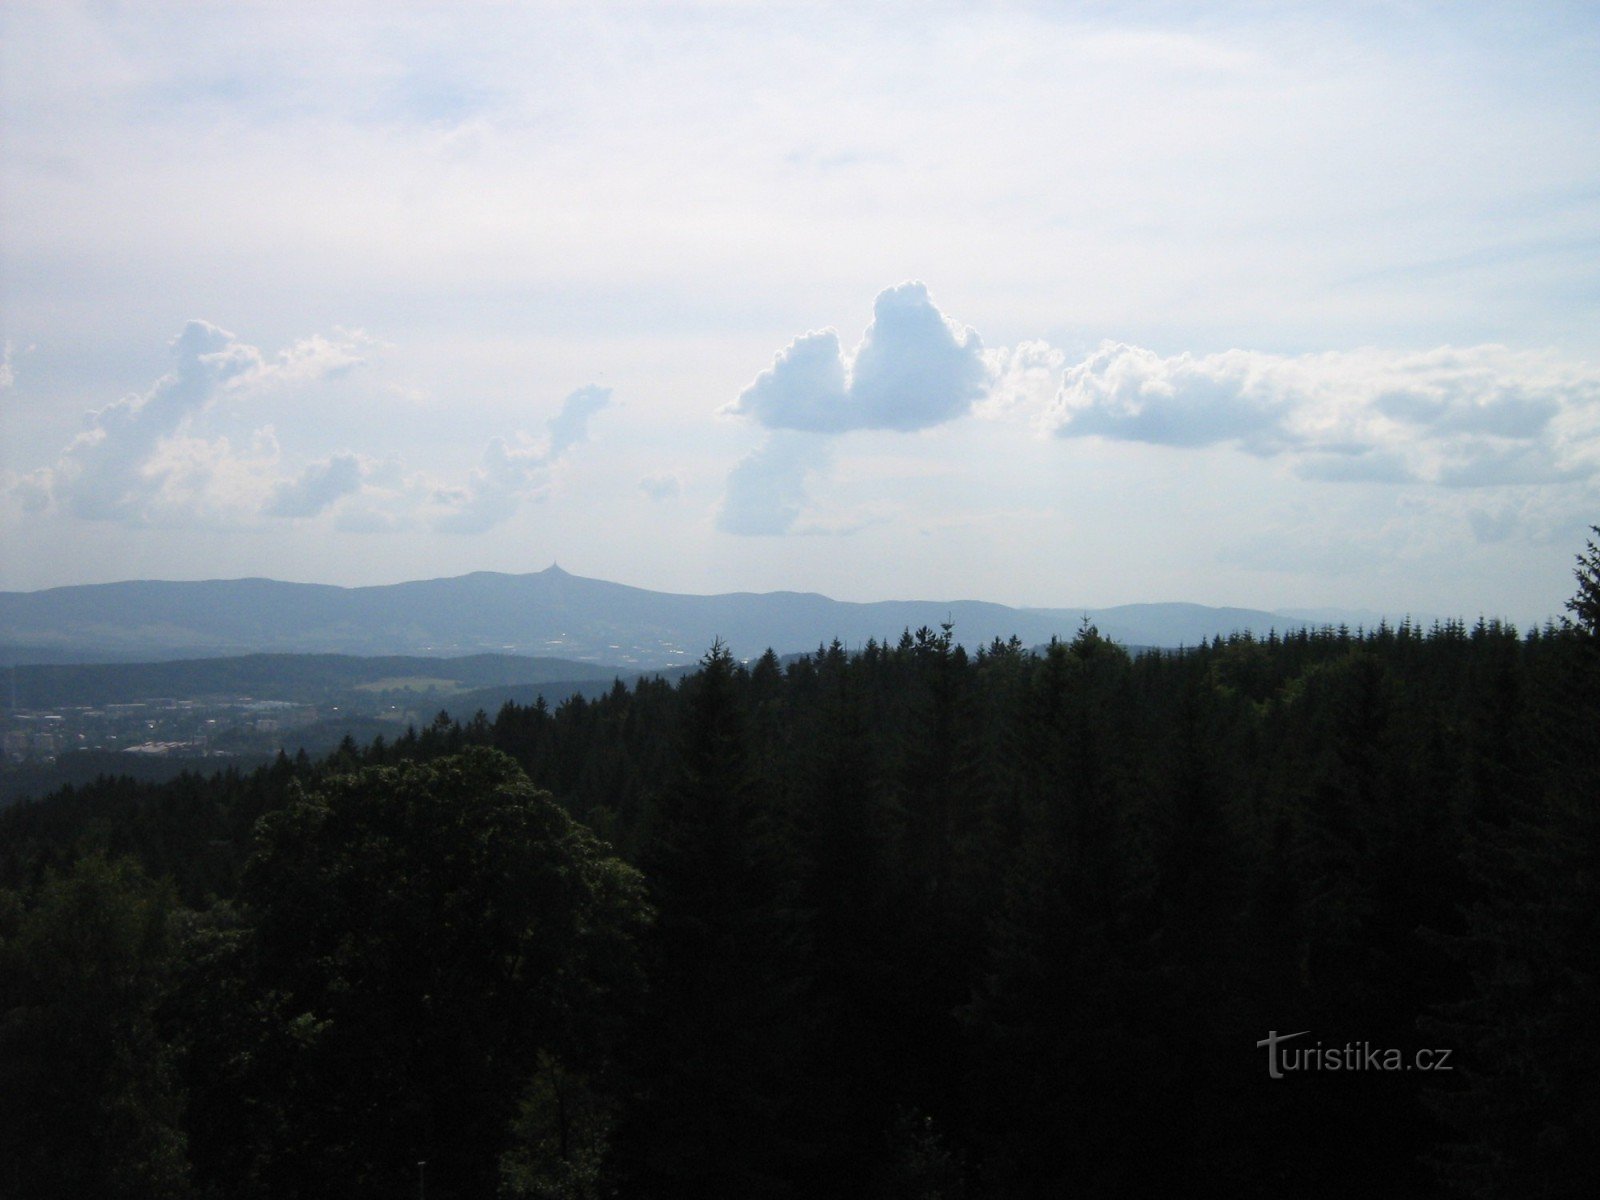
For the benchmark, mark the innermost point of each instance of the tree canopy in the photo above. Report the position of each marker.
(908, 921)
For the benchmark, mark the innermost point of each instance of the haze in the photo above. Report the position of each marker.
(1044, 305)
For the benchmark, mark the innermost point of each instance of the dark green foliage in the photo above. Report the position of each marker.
(717, 1049)
(424, 937)
(303, 678)
(1525, 1116)
(1585, 605)
(926, 923)
(89, 1104)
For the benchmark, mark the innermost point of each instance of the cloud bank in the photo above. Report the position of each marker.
(141, 460)
(131, 461)
(1472, 417)
(1479, 416)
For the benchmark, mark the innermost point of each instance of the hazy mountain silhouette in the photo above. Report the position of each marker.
(548, 613)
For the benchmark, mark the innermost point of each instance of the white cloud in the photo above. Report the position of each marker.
(143, 460)
(570, 426)
(384, 497)
(208, 482)
(110, 471)
(1474, 417)
(317, 487)
(497, 486)
(136, 461)
(767, 490)
(805, 388)
(317, 357)
(1131, 394)
(914, 368)
(671, 191)
(388, 501)
(506, 476)
(1024, 378)
(1477, 416)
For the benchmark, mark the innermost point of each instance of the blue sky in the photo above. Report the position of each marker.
(1267, 305)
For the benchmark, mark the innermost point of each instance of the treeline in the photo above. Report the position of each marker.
(298, 678)
(908, 922)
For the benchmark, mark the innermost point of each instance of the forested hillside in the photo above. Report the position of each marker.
(910, 922)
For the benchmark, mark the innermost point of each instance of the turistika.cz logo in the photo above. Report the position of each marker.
(1352, 1056)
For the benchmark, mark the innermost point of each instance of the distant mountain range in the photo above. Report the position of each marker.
(550, 614)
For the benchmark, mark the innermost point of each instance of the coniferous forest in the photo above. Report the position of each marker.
(1314, 915)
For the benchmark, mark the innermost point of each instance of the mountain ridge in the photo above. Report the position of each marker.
(551, 613)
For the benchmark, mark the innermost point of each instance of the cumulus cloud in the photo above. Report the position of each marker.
(1478, 416)
(391, 499)
(507, 475)
(495, 489)
(767, 490)
(142, 460)
(208, 481)
(1023, 378)
(914, 368)
(317, 357)
(1133, 394)
(316, 488)
(134, 458)
(383, 497)
(108, 471)
(570, 426)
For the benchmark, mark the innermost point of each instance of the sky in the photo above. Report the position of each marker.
(1269, 305)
